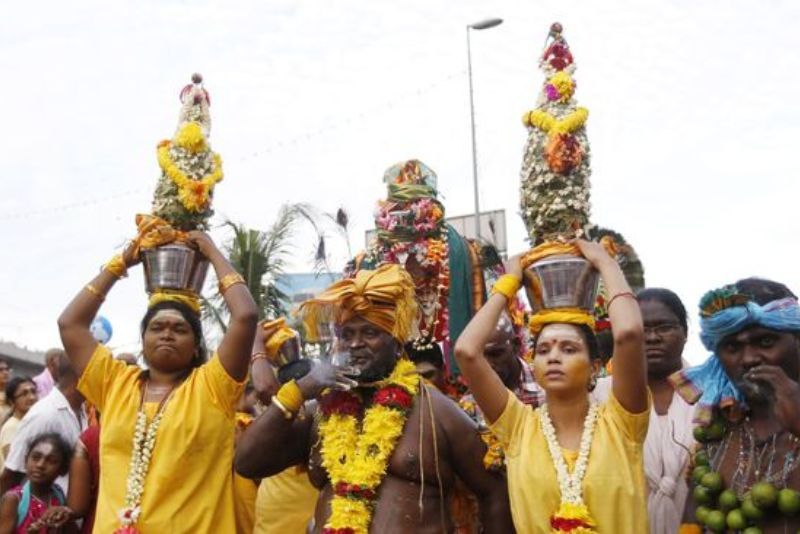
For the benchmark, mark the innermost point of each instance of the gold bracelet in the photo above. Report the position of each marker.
(290, 396)
(507, 285)
(258, 356)
(117, 267)
(229, 280)
(286, 413)
(96, 292)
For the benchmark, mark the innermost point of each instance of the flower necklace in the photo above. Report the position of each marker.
(355, 455)
(144, 441)
(573, 515)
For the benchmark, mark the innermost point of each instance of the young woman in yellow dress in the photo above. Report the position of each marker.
(166, 442)
(572, 466)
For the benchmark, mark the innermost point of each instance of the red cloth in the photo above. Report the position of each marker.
(36, 509)
(91, 440)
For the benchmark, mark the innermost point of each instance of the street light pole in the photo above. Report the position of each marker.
(482, 25)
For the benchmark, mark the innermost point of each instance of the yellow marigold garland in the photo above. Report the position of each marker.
(548, 123)
(193, 194)
(191, 137)
(356, 459)
(563, 84)
(349, 514)
(495, 457)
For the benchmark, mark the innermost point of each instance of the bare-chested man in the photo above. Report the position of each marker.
(374, 315)
(753, 328)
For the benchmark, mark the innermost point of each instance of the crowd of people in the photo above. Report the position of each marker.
(544, 439)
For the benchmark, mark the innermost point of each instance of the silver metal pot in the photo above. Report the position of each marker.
(562, 282)
(174, 266)
(288, 352)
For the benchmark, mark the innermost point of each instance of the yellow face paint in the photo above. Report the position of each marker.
(561, 362)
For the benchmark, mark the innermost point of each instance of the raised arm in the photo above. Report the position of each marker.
(489, 391)
(261, 373)
(76, 319)
(629, 380)
(234, 350)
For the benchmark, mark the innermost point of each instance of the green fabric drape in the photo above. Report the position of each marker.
(459, 302)
(409, 192)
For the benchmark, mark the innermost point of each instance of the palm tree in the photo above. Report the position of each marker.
(261, 257)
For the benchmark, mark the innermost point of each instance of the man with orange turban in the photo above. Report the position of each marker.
(383, 448)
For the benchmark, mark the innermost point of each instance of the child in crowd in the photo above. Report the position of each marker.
(37, 505)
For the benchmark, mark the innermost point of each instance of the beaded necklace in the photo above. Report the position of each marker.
(759, 486)
(756, 459)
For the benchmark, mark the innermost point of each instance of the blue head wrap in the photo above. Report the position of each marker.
(724, 312)
(782, 315)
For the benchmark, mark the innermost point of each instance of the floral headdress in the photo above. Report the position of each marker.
(384, 297)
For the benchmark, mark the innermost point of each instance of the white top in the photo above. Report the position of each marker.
(8, 432)
(666, 460)
(50, 414)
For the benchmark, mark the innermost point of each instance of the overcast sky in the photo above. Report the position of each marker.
(693, 125)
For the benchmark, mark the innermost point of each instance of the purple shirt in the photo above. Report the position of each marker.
(44, 383)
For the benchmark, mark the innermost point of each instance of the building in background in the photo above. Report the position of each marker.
(23, 362)
(302, 286)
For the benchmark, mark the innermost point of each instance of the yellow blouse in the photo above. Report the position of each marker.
(285, 503)
(614, 487)
(189, 487)
(244, 489)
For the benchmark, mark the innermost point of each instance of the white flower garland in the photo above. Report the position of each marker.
(570, 484)
(144, 441)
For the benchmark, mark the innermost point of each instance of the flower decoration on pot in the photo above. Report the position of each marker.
(182, 200)
(556, 162)
(189, 168)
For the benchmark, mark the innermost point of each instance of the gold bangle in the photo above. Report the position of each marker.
(286, 413)
(117, 267)
(290, 396)
(229, 280)
(94, 291)
(258, 356)
(507, 285)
